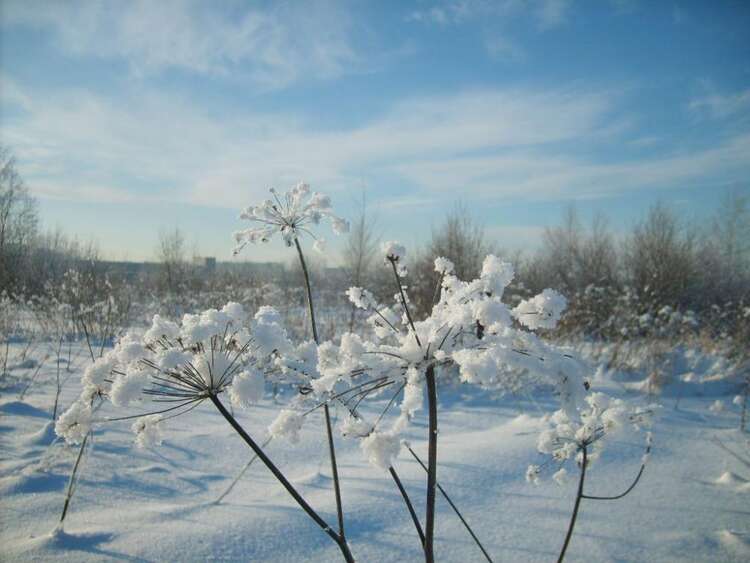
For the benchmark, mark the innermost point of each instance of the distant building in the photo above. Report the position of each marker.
(205, 264)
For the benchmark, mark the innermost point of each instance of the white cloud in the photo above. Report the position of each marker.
(539, 175)
(722, 105)
(274, 46)
(483, 144)
(546, 13)
(552, 13)
(502, 48)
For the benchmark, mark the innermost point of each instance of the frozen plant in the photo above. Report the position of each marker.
(291, 214)
(177, 367)
(470, 330)
(580, 431)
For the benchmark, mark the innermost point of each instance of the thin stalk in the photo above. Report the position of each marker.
(574, 516)
(326, 410)
(26, 348)
(57, 380)
(409, 505)
(310, 307)
(70, 346)
(73, 479)
(283, 480)
(454, 507)
(74, 473)
(31, 381)
(334, 472)
(236, 480)
(5, 360)
(632, 485)
(431, 465)
(404, 304)
(617, 497)
(88, 338)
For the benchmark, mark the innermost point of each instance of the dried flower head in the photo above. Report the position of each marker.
(289, 214)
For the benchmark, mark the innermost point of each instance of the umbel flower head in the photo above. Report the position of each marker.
(289, 214)
(470, 334)
(175, 367)
(590, 423)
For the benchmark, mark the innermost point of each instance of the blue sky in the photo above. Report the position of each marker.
(131, 117)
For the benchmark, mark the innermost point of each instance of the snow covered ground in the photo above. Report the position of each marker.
(159, 504)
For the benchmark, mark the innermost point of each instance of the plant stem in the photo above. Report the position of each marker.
(31, 381)
(409, 505)
(5, 360)
(242, 472)
(334, 472)
(404, 304)
(630, 488)
(88, 338)
(454, 507)
(340, 541)
(308, 288)
(326, 410)
(574, 516)
(57, 380)
(73, 474)
(431, 465)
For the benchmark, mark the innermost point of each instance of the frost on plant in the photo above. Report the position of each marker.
(592, 424)
(289, 214)
(147, 431)
(470, 333)
(173, 367)
(74, 423)
(287, 425)
(247, 388)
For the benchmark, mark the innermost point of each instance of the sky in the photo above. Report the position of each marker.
(132, 118)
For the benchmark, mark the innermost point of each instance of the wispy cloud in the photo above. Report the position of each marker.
(720, 105)
(541, 175)
(274, 45)
(552, 13)
(491, 143)
(546, 13)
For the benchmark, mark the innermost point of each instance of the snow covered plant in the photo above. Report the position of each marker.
(469, 331)
(291, 216)
(580, 431)
(176, 367)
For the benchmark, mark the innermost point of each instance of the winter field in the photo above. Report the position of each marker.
(453, 413)
(430, 280)
(161, 503)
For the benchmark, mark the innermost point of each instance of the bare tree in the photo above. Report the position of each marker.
(462, 240)
(730, 239)
(170, 253)
(573, 258)
(18, 223)
(360, 251)
(660, 260)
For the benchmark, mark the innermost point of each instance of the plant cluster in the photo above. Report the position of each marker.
(470, 333)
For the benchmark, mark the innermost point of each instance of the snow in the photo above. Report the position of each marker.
(287, 425)
(157, 503)
(393, 250)
(247, 388)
